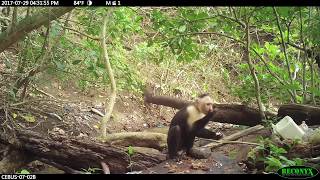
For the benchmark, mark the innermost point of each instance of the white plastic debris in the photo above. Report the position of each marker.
(288, 129)
(304, 126)
(134, 172)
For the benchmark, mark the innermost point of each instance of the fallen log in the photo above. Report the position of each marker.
(141, 139)
(299, 113)
(242, 114)
(77, 154)
(12, 160)
(225, 113)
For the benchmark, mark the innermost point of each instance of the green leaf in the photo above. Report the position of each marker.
(101, 65)
(299, 99)
(284, 11)
(284, 158)
(271, 161)
(130, 151)
(202, 15)
(91, 67)
(298, 161)
(14, 115)
(29, 118)
(60, 65)
(95, 73)
(182, 28)
(76, 62)
(272, 50)
(258, 49)
(24, 171)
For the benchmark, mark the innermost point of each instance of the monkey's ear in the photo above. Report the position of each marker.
(197, 101)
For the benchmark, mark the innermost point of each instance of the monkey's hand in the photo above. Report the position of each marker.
(210, 114)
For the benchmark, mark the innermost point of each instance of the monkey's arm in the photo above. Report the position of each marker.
(201, 132)
(201, 123)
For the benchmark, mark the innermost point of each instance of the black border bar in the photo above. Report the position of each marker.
(113, 3)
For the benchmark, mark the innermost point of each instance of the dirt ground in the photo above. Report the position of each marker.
(70, 112)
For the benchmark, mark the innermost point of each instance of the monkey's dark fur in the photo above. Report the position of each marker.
(181, 135)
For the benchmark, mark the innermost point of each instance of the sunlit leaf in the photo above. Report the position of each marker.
(130, 150)
(182, 28)
(24, 171)
(29, 118)
(14, 115)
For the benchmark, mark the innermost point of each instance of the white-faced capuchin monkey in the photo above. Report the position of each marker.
(187, 123)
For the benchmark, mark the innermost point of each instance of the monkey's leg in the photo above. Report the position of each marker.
(195, 152)
(174, 141)
(206, 133)
(189, 143)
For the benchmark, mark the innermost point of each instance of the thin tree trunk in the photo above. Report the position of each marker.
(28, 12)
(285, 52)
(304, 58)
(311, 67)
(312, 80)
(14, 19)
(252, 70)
(110, 104)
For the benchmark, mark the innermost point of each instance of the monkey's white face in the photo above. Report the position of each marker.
(205, 104)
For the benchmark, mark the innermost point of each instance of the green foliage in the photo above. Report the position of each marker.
(91, 170)
(176, 31)
(273, 156)
(270, 85)
(23, 171)
(130, 151)
(29, 118)
(82, 61)
(274, 57)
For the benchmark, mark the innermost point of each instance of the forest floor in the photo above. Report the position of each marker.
(70, 113)
(62, 108)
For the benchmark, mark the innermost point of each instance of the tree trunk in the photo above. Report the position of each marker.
(8, 38)
(113, 96)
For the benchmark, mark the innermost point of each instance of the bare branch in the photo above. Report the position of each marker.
(243, 43)
(216, 33)
(83, 34)
(233, 19)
